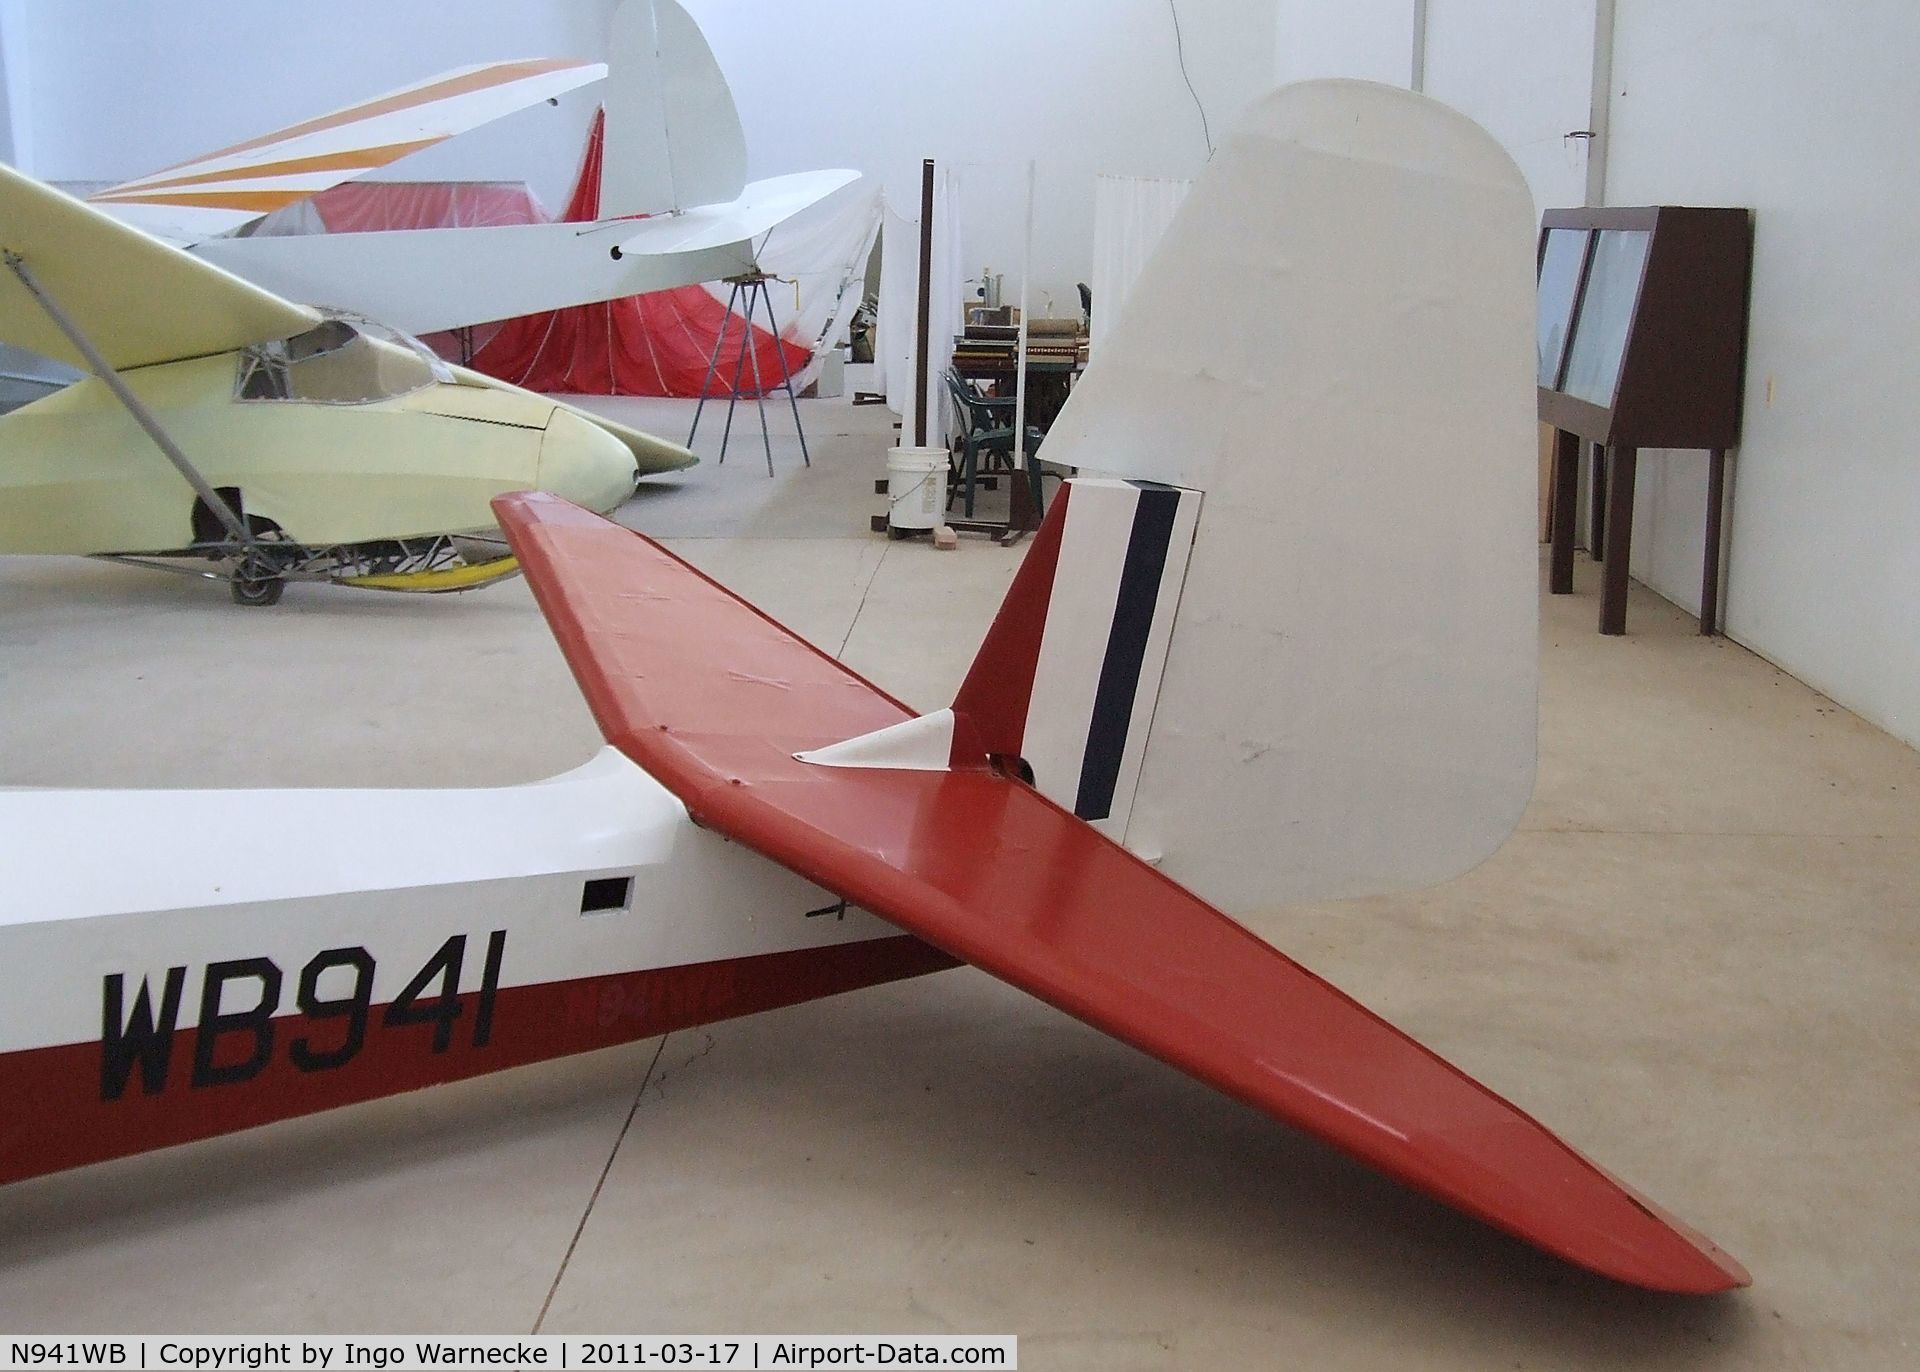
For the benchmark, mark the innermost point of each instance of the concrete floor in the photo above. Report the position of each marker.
(1699, 961)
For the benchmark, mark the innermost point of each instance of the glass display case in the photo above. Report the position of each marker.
(1563, 257)
(1606, 313)
(1641, 342)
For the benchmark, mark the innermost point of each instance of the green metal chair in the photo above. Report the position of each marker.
(983, 441)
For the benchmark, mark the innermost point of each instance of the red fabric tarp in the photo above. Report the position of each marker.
(369, 206)
(361, 206)
(653, 344)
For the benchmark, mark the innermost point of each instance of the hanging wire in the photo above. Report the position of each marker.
(1180, 50)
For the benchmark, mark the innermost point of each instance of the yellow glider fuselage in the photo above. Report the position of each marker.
(77, 474)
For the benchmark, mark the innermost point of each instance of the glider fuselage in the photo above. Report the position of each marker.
(392, 457)
(182, 984)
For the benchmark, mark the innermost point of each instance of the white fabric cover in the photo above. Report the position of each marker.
(1129, 215)
(894, 333)
(820, 256)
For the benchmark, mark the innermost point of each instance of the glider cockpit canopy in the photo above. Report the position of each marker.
(338, 362)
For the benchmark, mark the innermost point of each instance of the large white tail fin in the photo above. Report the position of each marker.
(673, 133)
(1324, 374)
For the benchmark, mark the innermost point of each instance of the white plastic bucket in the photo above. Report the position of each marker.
(916, 487)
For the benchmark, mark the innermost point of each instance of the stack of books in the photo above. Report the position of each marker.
(987, 345)
(995, 346)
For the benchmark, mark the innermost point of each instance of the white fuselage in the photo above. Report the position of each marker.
(178, 963)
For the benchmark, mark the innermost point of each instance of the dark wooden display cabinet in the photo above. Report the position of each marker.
(1642, 334)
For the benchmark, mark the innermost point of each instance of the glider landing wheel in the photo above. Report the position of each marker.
(256, 590)
(258, 576)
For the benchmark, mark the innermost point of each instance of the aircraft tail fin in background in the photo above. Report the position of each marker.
(673, 133)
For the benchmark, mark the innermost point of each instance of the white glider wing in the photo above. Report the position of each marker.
(422, 280)
(220, 192)
(140, 300)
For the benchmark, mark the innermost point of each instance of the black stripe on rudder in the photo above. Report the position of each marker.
(1133, 612)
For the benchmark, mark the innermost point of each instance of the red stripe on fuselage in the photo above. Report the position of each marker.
(54, 1116)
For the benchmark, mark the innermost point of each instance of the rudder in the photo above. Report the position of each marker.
(1067, 677)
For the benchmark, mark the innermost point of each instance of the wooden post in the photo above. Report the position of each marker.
(1566, 494)
(1710, 564)
(923, 359)
(1619, 540)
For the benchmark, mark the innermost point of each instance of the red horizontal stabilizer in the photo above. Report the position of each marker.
(713, 698)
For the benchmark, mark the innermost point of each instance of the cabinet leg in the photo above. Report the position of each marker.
(1618, 541)
(1710, 563)
(1597, 496)
(1566, 494)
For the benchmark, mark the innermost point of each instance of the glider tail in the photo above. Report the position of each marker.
(1285, 645)
(673, 132)
(1233, 652)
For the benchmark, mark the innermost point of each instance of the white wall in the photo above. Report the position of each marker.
(1369, 39)
(1524, 70)
(1807, 114)
(7, 153)
(1804, 113)
(113, 90)
(14, 138)
(1082, 86)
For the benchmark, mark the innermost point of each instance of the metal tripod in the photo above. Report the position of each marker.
(754, 285)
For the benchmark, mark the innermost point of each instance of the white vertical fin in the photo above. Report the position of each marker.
(673, 134)
(1334, 341)
(1123, 557)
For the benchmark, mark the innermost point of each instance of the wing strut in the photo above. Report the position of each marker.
(103, 369)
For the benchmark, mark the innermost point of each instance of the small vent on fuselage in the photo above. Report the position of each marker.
(603, 895)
